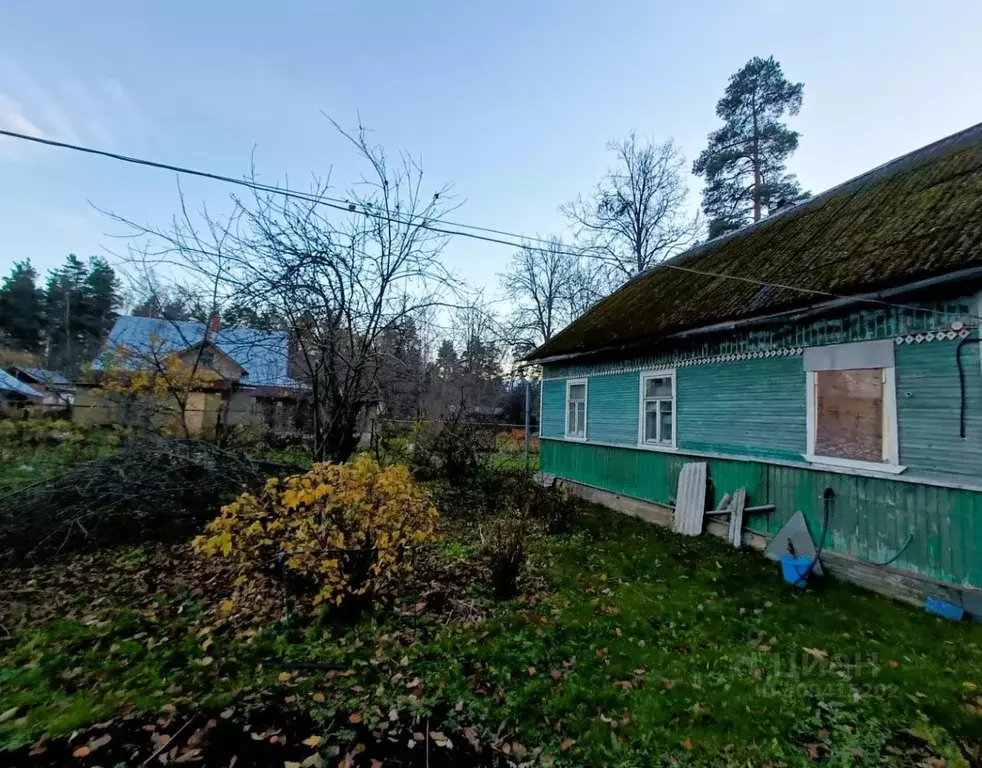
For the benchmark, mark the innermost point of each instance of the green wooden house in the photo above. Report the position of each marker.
(832, 345)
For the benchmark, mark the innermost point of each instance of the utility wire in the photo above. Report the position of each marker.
(428, 224)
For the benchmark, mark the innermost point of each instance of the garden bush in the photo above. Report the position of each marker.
(504, 550)
(551, 505)
(347, 530)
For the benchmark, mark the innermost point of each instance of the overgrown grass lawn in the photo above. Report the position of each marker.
(629, 647)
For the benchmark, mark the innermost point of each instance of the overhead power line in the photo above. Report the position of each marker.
(441, 225)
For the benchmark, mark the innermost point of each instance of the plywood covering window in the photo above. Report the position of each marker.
(852, 415)
(849, 414)
(657, 417)
(576, 409)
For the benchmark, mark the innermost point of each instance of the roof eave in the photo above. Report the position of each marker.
(789, 315)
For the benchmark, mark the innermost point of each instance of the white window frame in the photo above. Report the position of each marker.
(891, 436)
(662, 373)
(586, 404)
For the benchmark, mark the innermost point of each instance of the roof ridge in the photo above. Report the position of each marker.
(899, 222)
(813, 201)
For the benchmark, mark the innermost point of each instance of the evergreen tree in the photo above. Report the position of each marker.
(447, 362)
(240, 315)
(744, 164)
(21, 310)
(101, 302)
(64, 301)
(80, 302)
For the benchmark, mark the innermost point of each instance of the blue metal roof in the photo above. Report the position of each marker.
(263, 354)
(9, 384)
(42, 376)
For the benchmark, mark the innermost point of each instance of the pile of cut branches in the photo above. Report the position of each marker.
(151, 489)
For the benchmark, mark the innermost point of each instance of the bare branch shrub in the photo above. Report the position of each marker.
(340, 281)
(504, 549)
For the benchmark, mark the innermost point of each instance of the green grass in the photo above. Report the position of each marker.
(29, 452)
(641, 646)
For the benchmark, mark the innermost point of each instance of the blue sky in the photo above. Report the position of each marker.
(511, 101)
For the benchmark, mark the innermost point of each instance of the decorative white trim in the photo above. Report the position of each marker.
(892, 431)
(869, 466)
(652, 374)
(586, 405)
(941, 334)
(679, 361)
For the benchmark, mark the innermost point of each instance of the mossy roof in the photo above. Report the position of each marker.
(914, 217)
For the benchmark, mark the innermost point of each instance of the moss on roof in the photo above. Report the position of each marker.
(914, 217)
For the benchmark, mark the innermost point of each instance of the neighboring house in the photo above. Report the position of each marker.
(56, 388)
(842, 354)
(233, 376)
(15, 394)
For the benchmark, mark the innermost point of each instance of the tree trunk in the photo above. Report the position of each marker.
(756, 188)
(340, 439)
(756, 161)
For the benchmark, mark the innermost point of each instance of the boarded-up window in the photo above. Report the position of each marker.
(849, 414)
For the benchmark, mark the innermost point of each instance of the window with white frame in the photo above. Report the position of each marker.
(852, 406)
(657, 425)
(576, 409)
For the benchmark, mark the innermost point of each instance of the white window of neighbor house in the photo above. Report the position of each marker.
(657, 417)
(576, 409)
(852, 406)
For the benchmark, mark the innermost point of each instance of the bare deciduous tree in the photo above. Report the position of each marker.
(340, 281)
(637, 215)
(548, 286)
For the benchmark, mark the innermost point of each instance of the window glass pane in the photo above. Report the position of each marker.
(666, 421)
(659, 387)
(577, 391)
(849, 414)
(650, 422)
(571, 417)
(581, 419)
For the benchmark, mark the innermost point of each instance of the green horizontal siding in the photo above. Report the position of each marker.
(612, 409)
(648, 475)
(553, 421)
(928, 402)
(748, 408)
(871, 518)
(757, 408)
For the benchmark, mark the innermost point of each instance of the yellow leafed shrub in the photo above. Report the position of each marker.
(346, 528)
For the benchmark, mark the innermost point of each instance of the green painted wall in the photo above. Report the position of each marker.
(612, 408)
(756, 408)
(871, 518)
(553, 416)
(928, 402)
(734, 407)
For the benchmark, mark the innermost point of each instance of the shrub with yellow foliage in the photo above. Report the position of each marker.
(346, 528)
(127, 372)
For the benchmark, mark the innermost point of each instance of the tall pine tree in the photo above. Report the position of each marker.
(63, 305)
(101, 302)
(21, 310)
(744, 164)
(81, 302)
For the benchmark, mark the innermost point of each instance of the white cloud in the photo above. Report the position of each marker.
(12, 118)
(58, 105)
